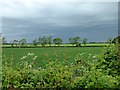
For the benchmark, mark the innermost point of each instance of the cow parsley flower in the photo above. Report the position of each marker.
(94, 56)
(30, 66)
(34, 57)
(30, 54)
(23, 57)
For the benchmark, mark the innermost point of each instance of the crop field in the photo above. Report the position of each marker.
(62, 45)
(51, 53)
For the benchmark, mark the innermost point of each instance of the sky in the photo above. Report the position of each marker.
(29, 19)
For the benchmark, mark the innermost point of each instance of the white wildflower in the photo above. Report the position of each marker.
(80, 54)
(95, 60)
(94, 56)
(83, 53)
(40, 68)
(30, 66)
(30, 54)
(34, 57)
(23, 57)
(90, 54)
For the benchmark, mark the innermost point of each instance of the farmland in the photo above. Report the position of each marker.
(60, 66)
(62, 45)
(51, 53)
(63, 67)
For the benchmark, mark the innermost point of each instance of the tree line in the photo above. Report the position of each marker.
(43, 41)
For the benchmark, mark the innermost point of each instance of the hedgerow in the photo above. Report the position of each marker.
(101, 72)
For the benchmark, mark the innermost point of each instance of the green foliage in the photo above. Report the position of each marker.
(44, 40)
(49, 40)
(75, 40)
(14, 43)
(109, 60)
(109, 41)
(22, 42)
(72, 40)
(99, 72)
(57, 41)
(84, 41)
(35, 42)
(116, 40)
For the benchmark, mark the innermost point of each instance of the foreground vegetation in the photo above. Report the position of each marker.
(102, 71)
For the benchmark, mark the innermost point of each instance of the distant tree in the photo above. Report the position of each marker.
(43, 40)
(109, 41)
(116, 40)
(4, 40)
(39, 40)
(49, 40)
(35, 42)
(78, 44)
(74, 41)
(84, 41)
(12, 43)
(22, 42)
(57, 41)
(15, 42)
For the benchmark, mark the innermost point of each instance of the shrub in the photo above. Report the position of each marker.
(108, 60)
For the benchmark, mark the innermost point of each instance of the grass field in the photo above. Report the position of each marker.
(62, 45)
(52, 53)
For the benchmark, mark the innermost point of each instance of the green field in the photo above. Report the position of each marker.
(62, 45)
(51, 53)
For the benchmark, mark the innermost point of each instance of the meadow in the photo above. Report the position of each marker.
(62, 45)
(51, 53)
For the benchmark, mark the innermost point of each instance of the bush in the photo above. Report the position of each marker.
(108, 60)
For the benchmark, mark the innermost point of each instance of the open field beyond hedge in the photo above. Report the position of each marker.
(61, 45)
(51, 53)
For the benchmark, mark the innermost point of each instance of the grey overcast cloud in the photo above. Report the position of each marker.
(96, 21)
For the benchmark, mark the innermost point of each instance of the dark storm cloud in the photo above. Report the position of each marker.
(96, 21)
